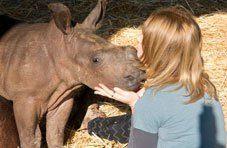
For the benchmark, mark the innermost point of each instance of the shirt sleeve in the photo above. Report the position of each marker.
(212, 128)
(220, 125)
(142, 139)
(149, 113)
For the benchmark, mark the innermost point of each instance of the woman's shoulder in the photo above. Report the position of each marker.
(171, 98)
(151, 110)
(155, 102)
(170, 93)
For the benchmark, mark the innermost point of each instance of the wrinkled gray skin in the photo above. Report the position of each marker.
(42, 65)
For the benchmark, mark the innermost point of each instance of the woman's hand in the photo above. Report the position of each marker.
(127, 97)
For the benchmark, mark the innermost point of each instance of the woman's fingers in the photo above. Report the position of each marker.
(103, 92)
(106, 89)
(103, 88)
(120, 98)
(120, 91)
(116, 96)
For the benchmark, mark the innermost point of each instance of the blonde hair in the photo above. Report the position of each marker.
(172, 43)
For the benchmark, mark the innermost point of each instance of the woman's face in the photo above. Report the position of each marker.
(139, 47)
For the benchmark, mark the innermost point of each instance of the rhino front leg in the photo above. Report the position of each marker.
(26, 116)
(56, 121)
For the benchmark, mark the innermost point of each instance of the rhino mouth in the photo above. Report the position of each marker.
(136, 85)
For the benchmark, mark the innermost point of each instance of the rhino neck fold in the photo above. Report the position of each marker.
(57, 50)
(60, 94)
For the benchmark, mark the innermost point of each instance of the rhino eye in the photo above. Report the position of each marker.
(95, 60)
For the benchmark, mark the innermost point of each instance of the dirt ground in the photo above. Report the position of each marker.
(214, 30)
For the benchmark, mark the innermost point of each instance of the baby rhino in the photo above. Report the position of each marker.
(42, 65)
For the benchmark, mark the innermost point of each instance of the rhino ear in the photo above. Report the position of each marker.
(62, 17)
(94, 19)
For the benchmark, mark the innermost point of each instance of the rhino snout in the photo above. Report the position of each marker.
(131, 53)
(135, 79)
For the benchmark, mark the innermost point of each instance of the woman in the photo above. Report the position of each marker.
(177, 106)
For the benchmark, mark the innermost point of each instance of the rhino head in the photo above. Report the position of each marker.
(88, 58)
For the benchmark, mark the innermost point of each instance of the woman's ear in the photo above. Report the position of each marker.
(62, 17)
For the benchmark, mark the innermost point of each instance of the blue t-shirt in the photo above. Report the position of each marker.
(180, 125)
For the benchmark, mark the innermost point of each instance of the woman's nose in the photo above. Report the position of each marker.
(139, 50)
(139, 46)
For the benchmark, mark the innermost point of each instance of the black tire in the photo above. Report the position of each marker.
(113, 128)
